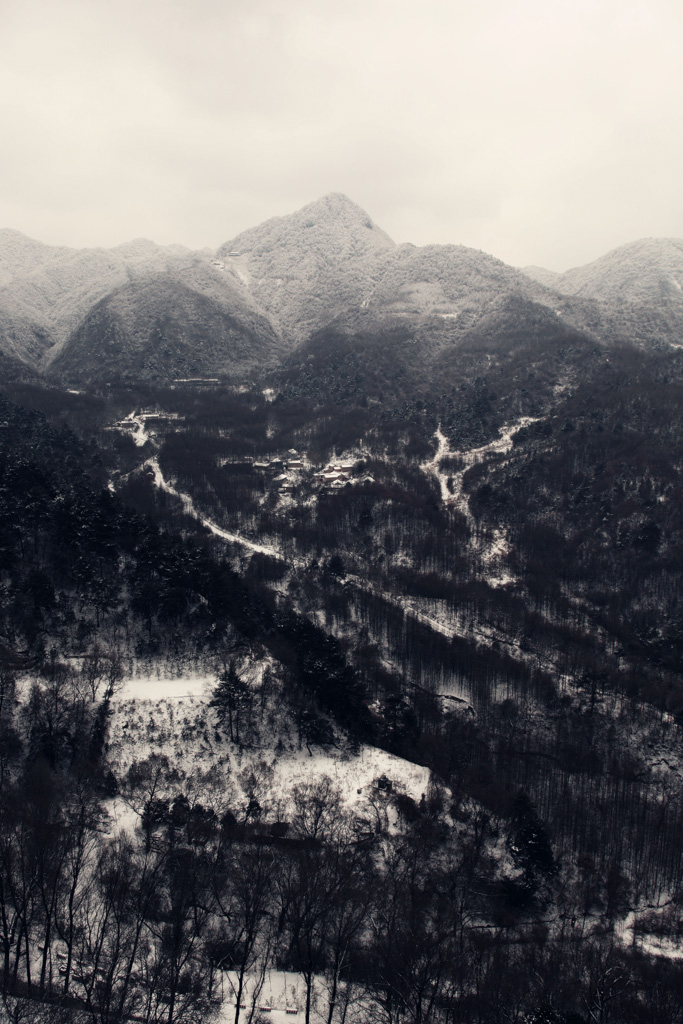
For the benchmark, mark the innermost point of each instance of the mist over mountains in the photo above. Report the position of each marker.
(141, 311)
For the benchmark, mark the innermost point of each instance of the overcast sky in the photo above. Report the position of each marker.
(542, 131)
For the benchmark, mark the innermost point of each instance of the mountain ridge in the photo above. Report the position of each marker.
(291, 276)
(631, 268)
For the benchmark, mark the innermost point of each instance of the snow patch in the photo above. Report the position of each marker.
(172, 717)
(159, 688)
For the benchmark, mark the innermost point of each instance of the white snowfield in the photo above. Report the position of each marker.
(160, 688)
(163, 715)
(282, 998)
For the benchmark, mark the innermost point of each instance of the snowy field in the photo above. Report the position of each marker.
(164, 688)
(172, 717)
(282, 997)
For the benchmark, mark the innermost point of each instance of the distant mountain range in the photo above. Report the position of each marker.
(141, 311)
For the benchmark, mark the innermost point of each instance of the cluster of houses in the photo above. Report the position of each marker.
(333, 476)
(280, 469)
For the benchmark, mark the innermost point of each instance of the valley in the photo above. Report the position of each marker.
(340, 633)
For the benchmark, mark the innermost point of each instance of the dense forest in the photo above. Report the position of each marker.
(491, 589)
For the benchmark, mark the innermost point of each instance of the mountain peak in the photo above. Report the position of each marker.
(15, 241)
(333, 223)
(646, 270)
(338, 204)
(335, 207)
(306, 267)
(140, 249)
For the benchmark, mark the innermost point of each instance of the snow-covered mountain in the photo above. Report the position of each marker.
(329, 259)
(121, 311)
(47, 290)
(188, 321)
(400, 624)
(21, 255)
(305, 268)
(163, 311)
(647, 271)
(635, 290)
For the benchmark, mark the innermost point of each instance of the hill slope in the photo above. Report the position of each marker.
(305, 268)
(635, 290)
(275, 286)
(162, 327)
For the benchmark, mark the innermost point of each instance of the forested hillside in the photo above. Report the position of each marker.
(340, 632)
(483, 580)
(143, 312)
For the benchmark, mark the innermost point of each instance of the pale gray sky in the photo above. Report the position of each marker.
(542, 131)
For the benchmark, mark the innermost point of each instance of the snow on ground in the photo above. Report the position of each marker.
(135, 425)
(160, 688)
(496, 551)
(153, 714)
(139, 431)
(171, 716)
(282, 991)
(353, 775)
(655, 945)
(453, 495)
(122, 817)
(282, 997)
(470, 457)
(432, 465)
